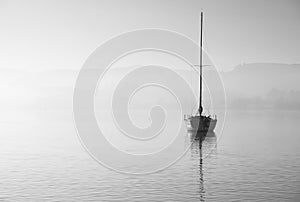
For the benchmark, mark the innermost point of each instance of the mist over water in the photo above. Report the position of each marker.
(257, 158)
(53, 91)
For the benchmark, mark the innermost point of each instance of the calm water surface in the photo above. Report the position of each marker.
(257, 158)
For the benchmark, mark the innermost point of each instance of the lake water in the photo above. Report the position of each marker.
(257, 158)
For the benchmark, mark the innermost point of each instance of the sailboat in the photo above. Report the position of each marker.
(200, 123)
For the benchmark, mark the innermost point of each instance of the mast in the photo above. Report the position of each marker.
(200, 60)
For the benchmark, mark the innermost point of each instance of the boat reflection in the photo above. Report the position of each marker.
(198, 135)
(199, 150)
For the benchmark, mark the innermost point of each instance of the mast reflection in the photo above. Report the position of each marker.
(199, 146)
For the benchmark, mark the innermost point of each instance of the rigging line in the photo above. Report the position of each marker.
(206, 50)
(191, 81)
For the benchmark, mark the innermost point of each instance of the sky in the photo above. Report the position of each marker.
(60, 34)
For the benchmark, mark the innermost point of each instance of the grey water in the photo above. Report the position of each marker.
(257, 158)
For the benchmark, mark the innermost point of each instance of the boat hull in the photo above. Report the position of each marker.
(201, 124)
